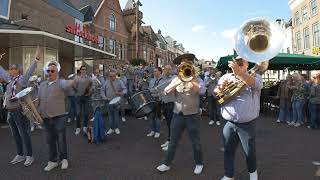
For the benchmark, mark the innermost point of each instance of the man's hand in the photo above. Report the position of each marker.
(38, 53)
(236, 69)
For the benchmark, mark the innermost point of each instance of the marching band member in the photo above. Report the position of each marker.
(167, 101)
(156, 114)
(143, 83)
(213, 106)
(241, 123)
(51, 99)
(186, 115)
(73, 103)
(124, 100)
(18, 122)
(112, 88)
(130, 74)
(84, 90)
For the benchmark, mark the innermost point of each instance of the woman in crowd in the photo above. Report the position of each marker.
(284, 93)
(314, 102)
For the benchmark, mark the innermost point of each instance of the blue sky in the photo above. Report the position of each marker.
(206, 27)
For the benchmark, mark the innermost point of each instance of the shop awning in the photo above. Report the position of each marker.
(67, 48)
(281, 61)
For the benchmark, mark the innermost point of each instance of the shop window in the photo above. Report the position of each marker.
(5, 8)
(112, 23)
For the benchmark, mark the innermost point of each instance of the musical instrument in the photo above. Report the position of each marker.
(46, 66)
(143, 102)
(33, 78)
(186, 72)
(115, 101)
(71, 76)
(258, 41)
(28, 107)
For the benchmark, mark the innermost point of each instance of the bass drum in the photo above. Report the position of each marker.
(143, 103)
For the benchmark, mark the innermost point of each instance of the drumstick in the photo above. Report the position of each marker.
(2, 55)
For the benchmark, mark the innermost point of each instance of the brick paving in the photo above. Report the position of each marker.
(284, 153)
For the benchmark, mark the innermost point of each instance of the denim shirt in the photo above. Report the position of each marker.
(246, 106)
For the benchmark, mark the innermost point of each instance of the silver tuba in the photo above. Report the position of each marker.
(28, 107)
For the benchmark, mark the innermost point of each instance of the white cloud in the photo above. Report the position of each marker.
(198, 28)
(229, 33)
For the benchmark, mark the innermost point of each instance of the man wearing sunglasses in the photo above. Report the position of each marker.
(51, 98)
(19, 124)
(84, 91)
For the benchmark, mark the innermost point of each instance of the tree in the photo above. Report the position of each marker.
(137, 61)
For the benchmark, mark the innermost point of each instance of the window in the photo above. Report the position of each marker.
(112, 23)
(298, 41)
(304, 14)
(5, 8)
(101, 42)
(316, 34)
(314, 7)
(112, 46)
(78, 38)
(297, 18)
(306, 34)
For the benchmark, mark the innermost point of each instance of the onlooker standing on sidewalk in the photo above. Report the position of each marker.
(285, 105)
(314, 105)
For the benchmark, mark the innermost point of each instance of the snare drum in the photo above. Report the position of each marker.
(143, 102)
(115, 101)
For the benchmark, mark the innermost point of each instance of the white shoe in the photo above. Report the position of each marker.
(77, 131)
(32, 128)
(211, 122)
(146, 118)
(198, 169)
(165, 144)
(39, 127)
(218, 123)
(254, 176)
(69, 120)
(17, 159)
(278, 121)
(150, 134)
(64, 164)
(29, 161)
(51, 165)
(226, 178)
(200, 111)
(316, 163)
(84, 129)
(92, 119)
(123, 119)
(165, 148)
(110, 131)
(163, 168)
(297, 125)
(156, 135)
(117, 131)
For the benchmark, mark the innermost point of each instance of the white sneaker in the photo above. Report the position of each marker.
(218, 123)
(198, 169)
(316, 163)
(110, 131)
(165, 148)
(254, 176)
(51, 165)
(226, 178)
(165, 144)
(156, 135)
(32, 127)
(297, 125)
(278, 121)
(150, 134)
(117, 131)
(211, 122)
(17, 159)
(29, 161)
(163, 168)
(64, 164)
(146, 118)
(84, 129)
(77, 131)
(123, 119)
(69, 120)
(92, 119)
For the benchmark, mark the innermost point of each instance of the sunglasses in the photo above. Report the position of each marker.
(83, 69)
(13, 68)
(51, 71)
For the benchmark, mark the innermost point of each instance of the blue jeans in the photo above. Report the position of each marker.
(178, 124)
(83, 111)
(167, 109)
(245, 133)
(20, 128)
(73, 106)
(285, 114)
(213, 108)
(114, 115)
(297, 111)
(130, 86)
(314, 115)
(155, 122)
(56, 137)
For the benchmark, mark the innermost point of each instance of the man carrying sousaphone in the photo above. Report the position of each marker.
(18, 122)
(112, 91)
(84, 91)
(52, 109)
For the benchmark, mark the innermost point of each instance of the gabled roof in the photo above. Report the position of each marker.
(80, 4)
(129, 5)
(88, 13)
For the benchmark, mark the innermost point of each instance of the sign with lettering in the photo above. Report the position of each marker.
(76, 30)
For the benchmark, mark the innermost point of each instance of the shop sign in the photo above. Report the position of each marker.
(76, 30)
(316, 50)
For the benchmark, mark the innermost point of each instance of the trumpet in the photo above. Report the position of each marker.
(186, 72)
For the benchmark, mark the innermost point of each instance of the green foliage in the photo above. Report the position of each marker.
(136, 62)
